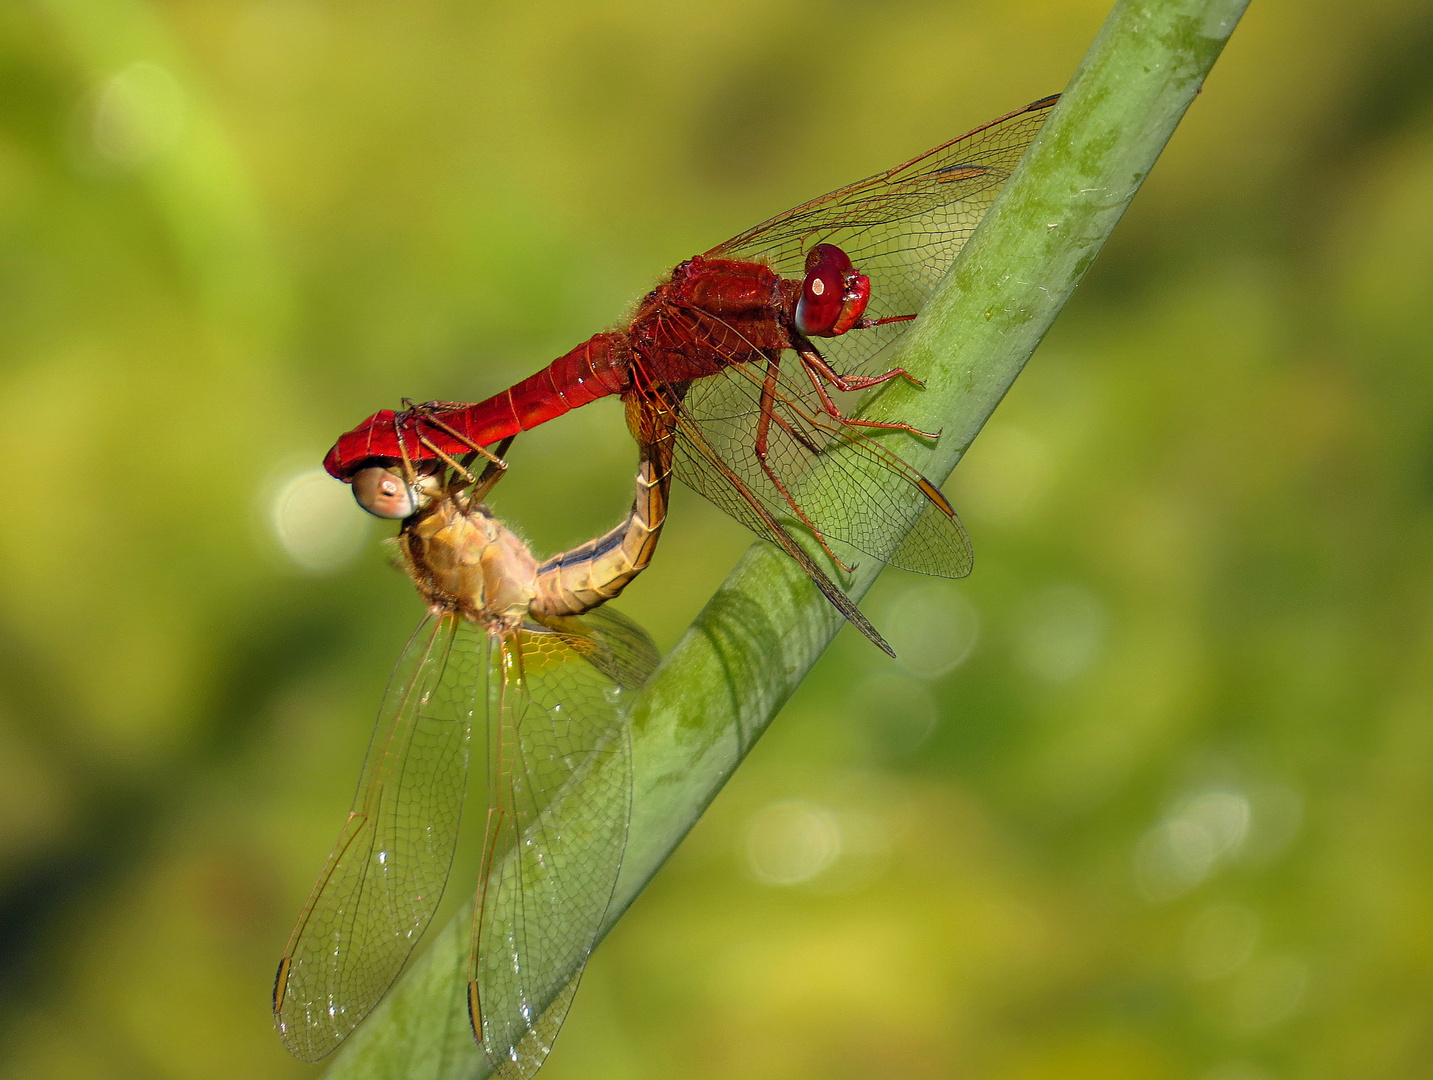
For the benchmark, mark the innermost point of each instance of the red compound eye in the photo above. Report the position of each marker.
(833, 293)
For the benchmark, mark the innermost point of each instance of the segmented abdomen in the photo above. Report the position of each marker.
(588, 576)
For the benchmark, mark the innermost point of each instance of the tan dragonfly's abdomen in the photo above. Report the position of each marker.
(579, 580)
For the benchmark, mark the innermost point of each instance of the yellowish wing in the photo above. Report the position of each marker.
(387, 872)
(560, 776)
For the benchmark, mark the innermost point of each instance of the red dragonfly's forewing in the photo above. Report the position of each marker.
(706, 471)
(853, 489)
(387, 872)
(560, 768)
(902, 228)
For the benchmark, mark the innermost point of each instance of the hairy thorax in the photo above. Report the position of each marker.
(710, 314)
(466, 561)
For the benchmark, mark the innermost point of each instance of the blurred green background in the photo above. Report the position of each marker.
(1148, 796)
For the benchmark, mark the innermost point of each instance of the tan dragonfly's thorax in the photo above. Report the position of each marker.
(467, 561)
(464, 560)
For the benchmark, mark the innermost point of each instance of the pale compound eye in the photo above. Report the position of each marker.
(383, 493)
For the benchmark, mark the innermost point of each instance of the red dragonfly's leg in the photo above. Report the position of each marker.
(847, 383)
(495, 461)
(409, 472)
(491, 474)
(424, 414)
(418, 415)
(763, 429)
(433, 449)
(817, 369)
(800, 436)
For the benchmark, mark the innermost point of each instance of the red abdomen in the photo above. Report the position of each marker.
(598, 367)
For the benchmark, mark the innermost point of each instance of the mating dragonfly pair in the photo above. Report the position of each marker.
(528, 648)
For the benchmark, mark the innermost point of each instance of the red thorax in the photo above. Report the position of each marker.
(709, 315)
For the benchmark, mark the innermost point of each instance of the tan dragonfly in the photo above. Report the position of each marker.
(525, 647)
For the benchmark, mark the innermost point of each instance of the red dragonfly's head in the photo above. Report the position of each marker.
(833, 293)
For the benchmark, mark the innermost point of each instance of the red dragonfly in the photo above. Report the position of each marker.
(704, 351)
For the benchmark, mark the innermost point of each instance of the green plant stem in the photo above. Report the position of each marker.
(767, 625)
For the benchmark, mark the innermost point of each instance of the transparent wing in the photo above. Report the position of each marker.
(699, 464)
(386, 874)
(848, 487)
(616, 646)
(560, 781)
(902, 228)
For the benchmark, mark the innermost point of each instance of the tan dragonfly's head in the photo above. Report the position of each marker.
(385, 493)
